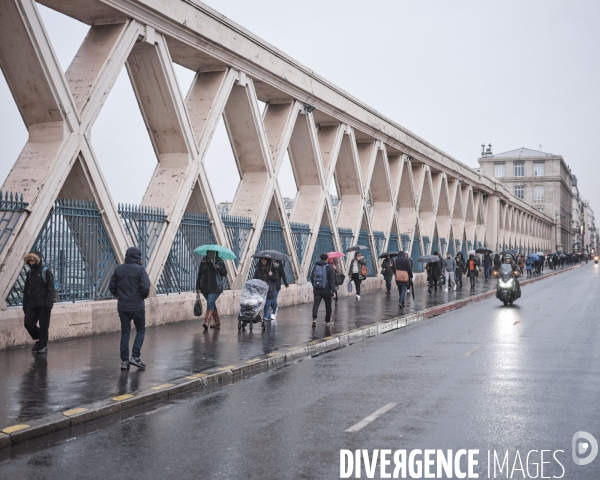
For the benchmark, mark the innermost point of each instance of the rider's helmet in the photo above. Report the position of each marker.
(507, 259)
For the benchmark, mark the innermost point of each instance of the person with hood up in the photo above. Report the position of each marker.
(39, 296)
(266, 272)
(207, 283)
(322, 278)
(434, 272)
(131, 285)
(388, 270)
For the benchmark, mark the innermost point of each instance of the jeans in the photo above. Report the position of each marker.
(268, 305)
(388, 284)
(402, 292)
(139, 320)
(357, 281)
(32, 316)
(488, 272)
(211, 300)
(449, 278)
(274, 302)
(326, 297)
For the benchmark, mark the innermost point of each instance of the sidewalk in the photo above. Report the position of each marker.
(84, 370)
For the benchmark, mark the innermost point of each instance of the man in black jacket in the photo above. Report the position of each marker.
(38, 300)
(323, 281)
(131, 285)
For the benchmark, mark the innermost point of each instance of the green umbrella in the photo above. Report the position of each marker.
(223, 252)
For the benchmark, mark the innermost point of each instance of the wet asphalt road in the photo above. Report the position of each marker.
(483, 377)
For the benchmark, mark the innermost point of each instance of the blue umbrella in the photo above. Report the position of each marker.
(533, 256)
(223, 252)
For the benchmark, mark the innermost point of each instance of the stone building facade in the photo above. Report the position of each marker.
(542, 180)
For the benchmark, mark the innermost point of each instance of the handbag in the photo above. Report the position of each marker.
(402, 276)
(340, 278)
(349, 287)
(364, 271)
(198, 306)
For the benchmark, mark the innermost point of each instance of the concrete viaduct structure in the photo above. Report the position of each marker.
(390, 181)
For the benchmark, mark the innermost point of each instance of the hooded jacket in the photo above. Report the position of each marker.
(330, 278)
(130, 282)
(206, 281)
(38, 292)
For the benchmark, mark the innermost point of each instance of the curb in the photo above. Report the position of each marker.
(54, 422)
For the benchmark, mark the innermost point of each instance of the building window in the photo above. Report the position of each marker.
(498, 169)
(538, 193)
(540, 209)
(520, 191)
(538, 169)
(519, 169)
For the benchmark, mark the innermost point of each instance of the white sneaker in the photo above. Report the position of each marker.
(446, 289)
(454, 287)
(314, 324)
(273, 317)
(357, 298)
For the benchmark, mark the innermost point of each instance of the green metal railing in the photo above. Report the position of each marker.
(75, 246)
(12, 207)
(143, 225)
(363, 239)
(345, 238)
(300, 237)
(238, 232)
(393, 243)
(379, 238)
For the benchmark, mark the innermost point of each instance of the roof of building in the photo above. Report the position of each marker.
(523, 153)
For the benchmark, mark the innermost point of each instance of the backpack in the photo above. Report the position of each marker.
(56, 285)
(319, 279)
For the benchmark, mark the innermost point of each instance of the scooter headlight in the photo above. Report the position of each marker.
(509, 284)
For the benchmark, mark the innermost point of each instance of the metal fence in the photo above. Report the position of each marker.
(379, 239)
(300, 237)
(416, 253)
(181, 268)
(238, 231)
(345, 237)
(12, 207)
(393, 243)
(426, 244)
(75, 246)
(405, 241)
(143, 225)
(271, 238)
(323, 244)
(363, 239)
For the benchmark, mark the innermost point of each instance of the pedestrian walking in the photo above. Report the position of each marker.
(460, 269)
(338, 270)
(434, 272)
(323, 281)
(356, 271)
(267, 273)
(487, 265)
(131, 285)
(403, 273)
(449, 269)
(472, 270)
(528, 267)
(279, 266)
(522, 263)
(39, 296)
(387, 270)
(209, 282)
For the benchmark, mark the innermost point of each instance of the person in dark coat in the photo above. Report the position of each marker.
(403, 263)
(387, 270)
(460, 269)
(434, 272)
(326, 292)
(38, 300)
(207, 282)
(131, 285)
(355, 271)
(497, 262)
(267, 273)
(278, 265)
(472, 270)
(487, 265)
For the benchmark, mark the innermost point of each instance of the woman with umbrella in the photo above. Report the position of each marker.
(333, 259)
(388, 270)
(265, 271)
(209, 282)
(355, 270)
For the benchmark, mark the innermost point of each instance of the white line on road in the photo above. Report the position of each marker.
(370, 418)
(473, 350)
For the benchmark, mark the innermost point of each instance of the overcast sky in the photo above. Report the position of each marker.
(456, 73)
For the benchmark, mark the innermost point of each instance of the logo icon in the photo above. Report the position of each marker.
(583, 448)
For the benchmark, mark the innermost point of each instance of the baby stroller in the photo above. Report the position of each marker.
(252, 304)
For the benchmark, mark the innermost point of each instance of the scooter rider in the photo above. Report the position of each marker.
(509, 259)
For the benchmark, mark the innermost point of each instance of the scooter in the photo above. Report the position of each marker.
(507, 290)
(595, 260)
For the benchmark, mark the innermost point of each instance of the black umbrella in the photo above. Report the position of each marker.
(428, 259)
(391, 254)
(273, 255)
(355, 248)
(483, 250)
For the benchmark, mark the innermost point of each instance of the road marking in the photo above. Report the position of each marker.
(472, 351)
(15, 428)
(228, 367)
(160, 387)
(74, 411)
(374, 416)
(127, 396)
(253, 360)
(195, 376)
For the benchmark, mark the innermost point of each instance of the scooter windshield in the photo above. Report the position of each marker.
(505, 271)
